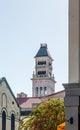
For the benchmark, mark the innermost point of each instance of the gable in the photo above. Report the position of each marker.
(7, 99)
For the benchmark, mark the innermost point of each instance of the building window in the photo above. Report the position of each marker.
(12, 122)
(3, 120)
(25, 112)
(45, 90)
(4, 100)
(41, 62)
(36, 91)
(40, 90)
(41, 73)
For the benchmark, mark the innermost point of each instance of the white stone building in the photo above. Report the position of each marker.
(9, 108)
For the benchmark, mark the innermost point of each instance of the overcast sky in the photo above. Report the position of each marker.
(24, 25)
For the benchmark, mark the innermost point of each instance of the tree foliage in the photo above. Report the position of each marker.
(45, 116)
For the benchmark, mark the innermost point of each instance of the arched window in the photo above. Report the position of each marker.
(36, 91)
(4, 100)
(3, 120)
(12, 122)
(40, 90)
(45, 90)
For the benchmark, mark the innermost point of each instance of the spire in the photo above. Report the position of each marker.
(43, 51)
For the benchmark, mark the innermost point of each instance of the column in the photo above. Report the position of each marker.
(72, 89)
(74, 41)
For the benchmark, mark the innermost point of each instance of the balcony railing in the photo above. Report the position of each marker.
(42, 76)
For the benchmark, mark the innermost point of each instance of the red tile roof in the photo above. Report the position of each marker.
(28, 102)
(22, 100)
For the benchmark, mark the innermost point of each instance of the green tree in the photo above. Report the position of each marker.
(45, 116)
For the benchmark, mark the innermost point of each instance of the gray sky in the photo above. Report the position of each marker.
(24, 25)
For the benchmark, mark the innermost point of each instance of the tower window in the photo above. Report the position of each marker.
(36, 91)
(41, 62)
(45, 90)
(41, 72)
(40, 90)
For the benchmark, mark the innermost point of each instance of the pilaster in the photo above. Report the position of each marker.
(72, 104)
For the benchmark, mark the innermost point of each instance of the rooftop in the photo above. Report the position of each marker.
(43, 51)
